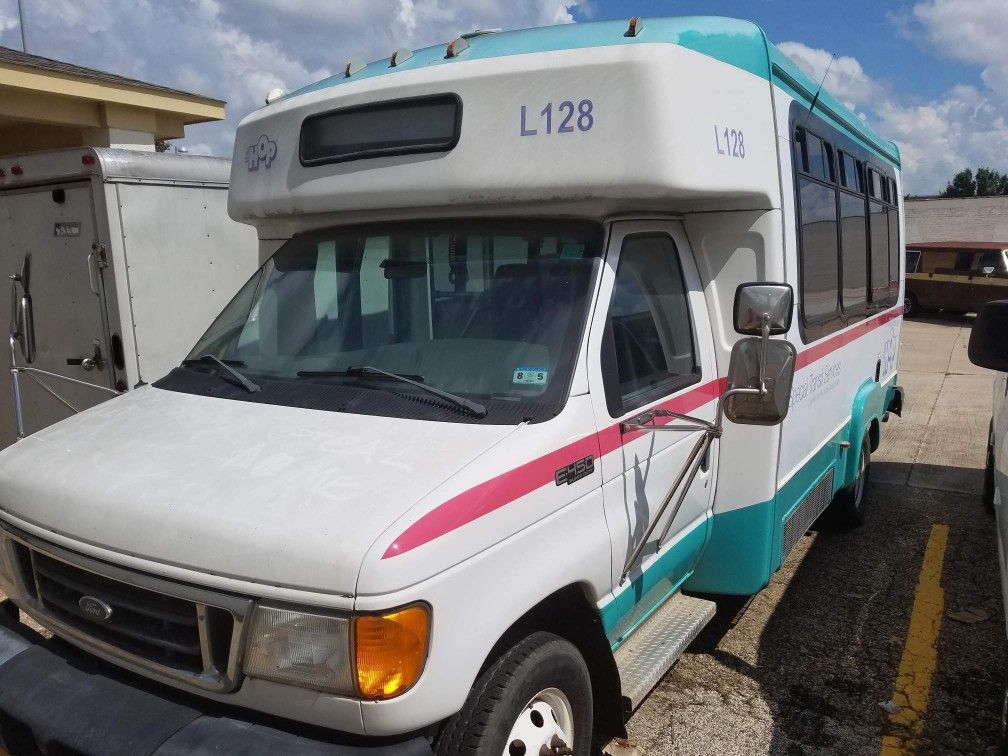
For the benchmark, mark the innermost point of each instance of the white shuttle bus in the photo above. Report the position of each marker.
(557, 333)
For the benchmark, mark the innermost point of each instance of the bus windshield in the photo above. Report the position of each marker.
(491, 310)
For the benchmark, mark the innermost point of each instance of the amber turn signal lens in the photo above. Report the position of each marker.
(390, 651)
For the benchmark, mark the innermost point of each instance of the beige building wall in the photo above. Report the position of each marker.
(968, 219)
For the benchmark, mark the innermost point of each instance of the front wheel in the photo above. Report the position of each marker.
(536, 699)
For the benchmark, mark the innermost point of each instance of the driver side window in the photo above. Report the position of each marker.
(650, 345)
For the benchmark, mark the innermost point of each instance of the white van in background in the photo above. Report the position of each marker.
(988, 348)
(554, 329)
(117, 259)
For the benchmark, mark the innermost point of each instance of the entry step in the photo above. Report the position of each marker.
(654, 647)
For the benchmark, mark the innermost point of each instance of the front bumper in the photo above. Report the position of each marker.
(56, 699)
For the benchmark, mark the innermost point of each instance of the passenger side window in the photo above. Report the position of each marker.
(819, 271)
(650, 335)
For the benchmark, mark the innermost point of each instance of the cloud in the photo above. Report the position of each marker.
(965, 126)
(846, 81)
(237, 50)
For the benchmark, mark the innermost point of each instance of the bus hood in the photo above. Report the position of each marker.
(276, 495)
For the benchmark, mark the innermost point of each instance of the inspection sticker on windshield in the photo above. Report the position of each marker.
(530, 376)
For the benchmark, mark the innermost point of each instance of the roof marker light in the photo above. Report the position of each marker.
(17, 170)
(352, 67)
(274, 94)
(400, 56)
(87, 159)
(635, 28)
(457, 46)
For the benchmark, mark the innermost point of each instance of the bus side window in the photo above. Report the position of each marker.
(820, 276)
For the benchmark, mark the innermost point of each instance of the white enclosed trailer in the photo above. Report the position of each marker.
(131, 253)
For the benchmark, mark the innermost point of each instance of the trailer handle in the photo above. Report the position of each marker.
(91, 274)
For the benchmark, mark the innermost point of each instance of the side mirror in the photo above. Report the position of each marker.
(988, 270)
(762, 375)
(22, 323)
(760, 304)
(26, 275)
(988, 344)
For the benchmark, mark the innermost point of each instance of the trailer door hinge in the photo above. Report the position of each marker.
(100, 255)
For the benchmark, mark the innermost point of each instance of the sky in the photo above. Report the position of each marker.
(930, 74)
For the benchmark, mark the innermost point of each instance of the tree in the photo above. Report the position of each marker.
(962, 185)
(161, 145)
(986, 183)
(990, 183)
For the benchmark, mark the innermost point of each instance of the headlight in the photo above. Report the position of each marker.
(385, 659)
(311, 650)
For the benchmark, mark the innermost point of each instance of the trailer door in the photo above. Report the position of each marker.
(56, 225)
(654, 350)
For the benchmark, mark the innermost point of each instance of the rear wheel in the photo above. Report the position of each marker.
(536, 699)
(848, 507)
(911, 307)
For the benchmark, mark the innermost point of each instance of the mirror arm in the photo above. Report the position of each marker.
(16, 390)
(640, 422)
(765, 328)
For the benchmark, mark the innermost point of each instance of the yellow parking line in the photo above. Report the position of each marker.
(920, 654)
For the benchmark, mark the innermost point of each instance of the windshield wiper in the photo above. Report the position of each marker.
(240, 379)
(413, 380)
(356, 372)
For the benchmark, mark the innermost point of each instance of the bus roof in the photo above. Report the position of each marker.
(742, 44)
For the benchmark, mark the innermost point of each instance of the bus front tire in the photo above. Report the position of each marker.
(848, 508)
(537, 694)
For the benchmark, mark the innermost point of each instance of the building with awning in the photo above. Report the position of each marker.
(49, 104)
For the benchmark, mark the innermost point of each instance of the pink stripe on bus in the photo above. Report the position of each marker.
(509, 486)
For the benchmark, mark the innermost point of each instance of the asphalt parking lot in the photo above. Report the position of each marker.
(812, 665)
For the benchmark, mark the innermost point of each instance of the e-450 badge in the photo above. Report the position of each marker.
(575, 471)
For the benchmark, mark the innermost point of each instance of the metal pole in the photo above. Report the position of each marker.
(694, 456)
(15, 385)
(24, 44)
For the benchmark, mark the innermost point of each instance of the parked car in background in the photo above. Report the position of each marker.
(954, 276)
(988, 347)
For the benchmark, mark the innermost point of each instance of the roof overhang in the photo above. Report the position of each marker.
(45, 96)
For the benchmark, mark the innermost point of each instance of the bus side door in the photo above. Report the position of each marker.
(651, 347)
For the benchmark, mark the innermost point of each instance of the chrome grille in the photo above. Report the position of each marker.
(801, 519)
(160, 628)
(146, 623)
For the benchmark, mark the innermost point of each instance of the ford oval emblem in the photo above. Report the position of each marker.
(95, 608)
